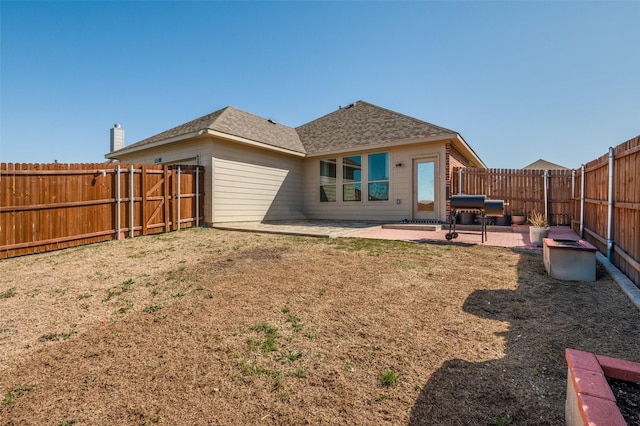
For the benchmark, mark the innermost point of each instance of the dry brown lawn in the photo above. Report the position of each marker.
(217, 327)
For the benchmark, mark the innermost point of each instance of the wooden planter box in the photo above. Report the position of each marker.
(590, 400)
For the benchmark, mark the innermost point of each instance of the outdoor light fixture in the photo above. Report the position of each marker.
(399, 164)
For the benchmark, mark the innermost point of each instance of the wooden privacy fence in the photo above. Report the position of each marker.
(52, 206)
(601, 200)
(607, 206)
(548, 192)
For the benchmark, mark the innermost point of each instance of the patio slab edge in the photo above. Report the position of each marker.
(269, 231)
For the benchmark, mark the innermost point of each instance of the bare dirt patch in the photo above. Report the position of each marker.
(217, 327)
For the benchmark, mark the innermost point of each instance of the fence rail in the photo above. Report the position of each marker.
(52, 206)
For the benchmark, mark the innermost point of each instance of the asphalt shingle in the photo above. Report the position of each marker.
(192, 126)
(235, 122)
(361, 124)
(240, 123)
(356, 126)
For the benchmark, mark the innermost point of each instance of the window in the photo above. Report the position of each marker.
(352, 178)
(347, 176)
(378, 176)
(425, 183)
(328, 180)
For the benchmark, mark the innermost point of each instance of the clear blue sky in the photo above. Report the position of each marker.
(518, 80)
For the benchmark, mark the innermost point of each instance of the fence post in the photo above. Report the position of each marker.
(178, 198)
(131, 204)
(460, 181)
(573, 197)
(197, 196)
(582, 203)
(118, 220)
(168, 198)
(545, 177)
(143, 199)
(610, 241)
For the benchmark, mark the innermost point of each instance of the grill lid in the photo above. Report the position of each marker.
(494, 207)
(468, 201)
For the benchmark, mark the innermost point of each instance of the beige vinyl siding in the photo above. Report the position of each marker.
(245, 183)
(400, 186)
(252, 184)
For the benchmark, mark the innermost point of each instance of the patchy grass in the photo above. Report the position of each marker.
(292, 330)
(8, 293)
(153, 308)
(296, 322)
(16, 392)
(52, 337)
(387, 378)
(270, 342)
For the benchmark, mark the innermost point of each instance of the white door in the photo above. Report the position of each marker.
(425, 202)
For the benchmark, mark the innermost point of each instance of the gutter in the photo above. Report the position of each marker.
(393, 144)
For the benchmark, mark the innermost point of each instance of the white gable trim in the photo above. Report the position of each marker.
(203, 132)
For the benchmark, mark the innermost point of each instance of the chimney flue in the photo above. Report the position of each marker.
(117, 137)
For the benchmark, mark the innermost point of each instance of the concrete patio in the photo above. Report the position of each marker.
(506, 236)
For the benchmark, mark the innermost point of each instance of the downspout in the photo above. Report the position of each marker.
(460, 181)
(610, 209)
(582, 203)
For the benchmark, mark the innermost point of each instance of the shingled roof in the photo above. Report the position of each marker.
(235, 122)
(358, 125)
(361, 124)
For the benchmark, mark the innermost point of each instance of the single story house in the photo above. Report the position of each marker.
(361, 162)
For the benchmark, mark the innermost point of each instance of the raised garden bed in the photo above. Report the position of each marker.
(590, 400)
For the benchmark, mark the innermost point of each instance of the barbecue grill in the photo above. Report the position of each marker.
(479, 204)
